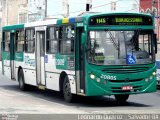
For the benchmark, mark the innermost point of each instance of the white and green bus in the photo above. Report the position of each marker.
(89, 55)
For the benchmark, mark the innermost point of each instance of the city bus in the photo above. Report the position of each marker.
(90, 55)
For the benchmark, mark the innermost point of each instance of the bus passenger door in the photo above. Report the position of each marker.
(80, 63)
(12, 55)
(40, 53)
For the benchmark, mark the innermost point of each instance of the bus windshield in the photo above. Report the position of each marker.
(120, 47)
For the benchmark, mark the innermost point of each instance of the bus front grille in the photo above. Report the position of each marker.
(124, 81)
(125, 70)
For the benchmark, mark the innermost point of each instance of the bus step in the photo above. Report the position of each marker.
(41, 87)
(81, 94)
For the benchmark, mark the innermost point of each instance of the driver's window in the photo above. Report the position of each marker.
(145, 42)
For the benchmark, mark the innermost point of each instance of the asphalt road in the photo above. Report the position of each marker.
(13, 100)
(49, 105)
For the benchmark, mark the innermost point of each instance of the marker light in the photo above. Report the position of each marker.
(98, 80)
(146, 79)
(151, 77)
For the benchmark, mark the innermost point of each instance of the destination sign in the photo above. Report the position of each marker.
(120, 20)
(129, 20)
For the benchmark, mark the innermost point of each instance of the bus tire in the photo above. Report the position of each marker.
(68, 96)
(22, 84)
(122, 98)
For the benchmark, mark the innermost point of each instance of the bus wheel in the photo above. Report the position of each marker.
(22, 85)
(68, 96)
(122, 98)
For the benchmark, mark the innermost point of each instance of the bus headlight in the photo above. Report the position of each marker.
(92, 76)
(154, 73)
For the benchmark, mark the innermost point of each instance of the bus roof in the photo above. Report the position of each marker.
(41, 23)
(65, 20)
(87, 16)
(13, 27)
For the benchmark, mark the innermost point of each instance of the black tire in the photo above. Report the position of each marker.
(68, 96)
(22, 84)
(122, 98)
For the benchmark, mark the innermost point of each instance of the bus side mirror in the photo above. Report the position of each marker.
(155, 42)
(84, 37)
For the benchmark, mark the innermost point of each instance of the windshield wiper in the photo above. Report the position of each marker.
(112, 39)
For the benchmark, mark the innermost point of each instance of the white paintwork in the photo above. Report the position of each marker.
(7, 69)
(72, 84)
(52, 81)
(6, 62)
(42, 71)
(12, 69)
(78, 80)
(40, 28)
(41, 23)
(7, 72)
(51, 74)
(30, 77)
(29, 60)
(28, 66)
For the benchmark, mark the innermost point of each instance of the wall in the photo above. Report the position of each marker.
(11, 10)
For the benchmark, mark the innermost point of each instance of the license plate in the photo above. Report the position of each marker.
(127, 87)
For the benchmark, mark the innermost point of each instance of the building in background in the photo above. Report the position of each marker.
(23, 12)
(152, 7)
(37, 10)
(14, 11)
(78, 7)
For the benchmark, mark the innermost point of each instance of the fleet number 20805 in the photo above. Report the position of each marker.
(109, 77)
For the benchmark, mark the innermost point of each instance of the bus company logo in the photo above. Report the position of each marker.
(30, 62)
(18, 57)
(60, 62)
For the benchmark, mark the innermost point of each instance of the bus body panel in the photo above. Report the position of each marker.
(6, 64)
(85, 78)
(53, 74)
(104, 83)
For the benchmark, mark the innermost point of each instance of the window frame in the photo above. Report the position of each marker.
(30, 40)
(6, 40)
(48, 39)
(65, 39)
(17, 40)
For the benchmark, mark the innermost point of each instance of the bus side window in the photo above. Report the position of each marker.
(30, 41)
(52, 40)
(20, 40)
(66, 39)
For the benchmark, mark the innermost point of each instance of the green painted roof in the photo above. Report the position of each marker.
(12, 27)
